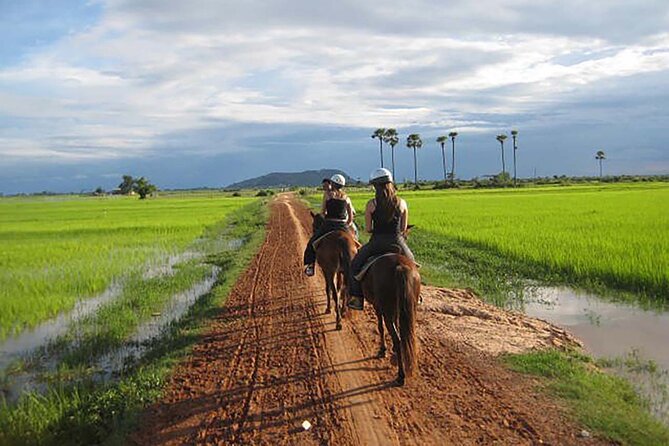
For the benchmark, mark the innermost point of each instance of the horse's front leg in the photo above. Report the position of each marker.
(397, 349)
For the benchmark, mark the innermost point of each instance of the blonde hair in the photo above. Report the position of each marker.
(338, 193)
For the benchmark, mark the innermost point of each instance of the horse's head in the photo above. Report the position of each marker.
(318, 221)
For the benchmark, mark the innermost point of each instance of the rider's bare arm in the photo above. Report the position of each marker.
(404, 218)
(369, 209)
(348, 200)
(349, 213)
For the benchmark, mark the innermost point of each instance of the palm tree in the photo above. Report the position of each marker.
(501, 137)
(414, 142)
(452, 135)
(393, 142)
(514, 135)
(441, 140)
(378, 133)
(600, 156)
(391, 138)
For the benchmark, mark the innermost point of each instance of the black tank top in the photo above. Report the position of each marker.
(387, 227)
(335, 209)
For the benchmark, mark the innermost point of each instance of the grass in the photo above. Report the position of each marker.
(94, 413)
(647, 377)
(604, 404)
(108, 328)
(56, 251)
(599, 237)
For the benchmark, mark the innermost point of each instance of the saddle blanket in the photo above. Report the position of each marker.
(368, 264)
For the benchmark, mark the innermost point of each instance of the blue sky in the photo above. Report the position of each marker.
(206, 93)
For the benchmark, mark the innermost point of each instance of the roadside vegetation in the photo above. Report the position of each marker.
(606, 405)
(56, 251)
(77, 406)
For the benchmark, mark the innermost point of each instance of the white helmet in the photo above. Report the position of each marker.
(338, 179)
(380, 176)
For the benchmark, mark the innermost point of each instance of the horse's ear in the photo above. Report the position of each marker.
(312, 214)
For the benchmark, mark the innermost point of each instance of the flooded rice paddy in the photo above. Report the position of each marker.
(27, 360)
(631, 341)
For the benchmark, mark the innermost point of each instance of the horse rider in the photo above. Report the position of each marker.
(339, 181)
(338, 212)
(387, 219)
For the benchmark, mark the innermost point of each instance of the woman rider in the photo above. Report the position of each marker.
(387, 218)
(338, 213)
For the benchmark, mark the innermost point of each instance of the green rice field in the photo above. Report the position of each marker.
(616, 236)
(87, 384)
(56, 250)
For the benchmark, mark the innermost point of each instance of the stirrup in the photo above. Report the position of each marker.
(309, 270)
(356, 303)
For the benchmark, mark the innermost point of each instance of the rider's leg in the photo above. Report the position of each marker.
(378, 244)
(404, 248)
(354, 286)
(310, 254)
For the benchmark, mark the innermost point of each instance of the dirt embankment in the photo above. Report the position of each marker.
(272, 360)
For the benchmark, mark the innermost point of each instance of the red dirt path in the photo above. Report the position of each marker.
(272, 359)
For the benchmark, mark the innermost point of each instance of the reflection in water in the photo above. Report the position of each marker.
(30, 340)
(612, 330)
(107, 366)
(606, 328)
(153, 329)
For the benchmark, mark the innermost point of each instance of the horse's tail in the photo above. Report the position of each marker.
(407, 319)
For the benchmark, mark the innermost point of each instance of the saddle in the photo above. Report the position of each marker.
(371, 261)
(320, 239)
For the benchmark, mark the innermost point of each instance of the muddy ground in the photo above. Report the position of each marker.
(271, 360)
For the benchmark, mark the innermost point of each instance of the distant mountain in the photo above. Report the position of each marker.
(288, 179)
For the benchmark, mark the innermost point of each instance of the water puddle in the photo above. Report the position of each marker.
(154, 328)
(606, 328)
(30, 340)
(613, 330)
(166, 268)
(106, 367)
(236, 243)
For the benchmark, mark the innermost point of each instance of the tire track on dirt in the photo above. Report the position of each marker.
(271, 359)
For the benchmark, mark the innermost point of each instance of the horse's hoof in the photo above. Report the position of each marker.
(338, 327)
(381, 354)
(399, 382)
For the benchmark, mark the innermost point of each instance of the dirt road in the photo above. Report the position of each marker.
(272, 360)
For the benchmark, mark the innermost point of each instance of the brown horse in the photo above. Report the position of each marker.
(334, 255)
(392, 285)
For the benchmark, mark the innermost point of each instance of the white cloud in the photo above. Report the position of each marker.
(153, 68)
